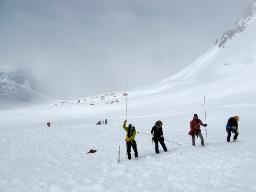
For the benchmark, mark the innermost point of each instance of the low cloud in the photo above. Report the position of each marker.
(77, 48)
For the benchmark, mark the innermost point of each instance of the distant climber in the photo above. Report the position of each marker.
(232, 127)
(130, 139)
(195, 129)
(106, 121)
(157, 133)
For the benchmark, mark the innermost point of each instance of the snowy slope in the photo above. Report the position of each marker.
(235, 59)
(18, 89)
(37, 158)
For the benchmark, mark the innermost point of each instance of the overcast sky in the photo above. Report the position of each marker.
(81, 47)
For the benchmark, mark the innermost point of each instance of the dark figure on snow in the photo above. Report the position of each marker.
(232, 127)
(106, 121)
(195, 129)
(130, 139)
(157, 133)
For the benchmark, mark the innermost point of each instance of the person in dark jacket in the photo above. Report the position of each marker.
(130, 139)
(232, 126)
(157, 133)
(195, 129)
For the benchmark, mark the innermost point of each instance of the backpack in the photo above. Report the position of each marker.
(131, 130)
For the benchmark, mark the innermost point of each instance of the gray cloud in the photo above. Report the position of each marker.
(80, 47)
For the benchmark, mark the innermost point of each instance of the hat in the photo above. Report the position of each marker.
(160, 123)
(195, 116)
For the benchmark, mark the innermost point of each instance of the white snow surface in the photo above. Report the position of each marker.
(37, 158)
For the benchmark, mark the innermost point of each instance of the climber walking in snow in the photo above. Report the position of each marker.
(232, 127)
(157, 133)
(195, 130)
(130, 139)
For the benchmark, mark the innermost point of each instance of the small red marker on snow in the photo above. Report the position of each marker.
(92, 151)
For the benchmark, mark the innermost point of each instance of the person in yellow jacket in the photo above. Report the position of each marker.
(130, 139)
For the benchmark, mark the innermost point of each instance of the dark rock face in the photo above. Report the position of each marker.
(238, 28)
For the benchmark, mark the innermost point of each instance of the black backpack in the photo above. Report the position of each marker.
(130, 131)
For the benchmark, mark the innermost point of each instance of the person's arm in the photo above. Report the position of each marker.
(161, 132)
(191, 125)
(152, 130)
(201, 123)
(124, 125)
(236, 125)
(191, 131)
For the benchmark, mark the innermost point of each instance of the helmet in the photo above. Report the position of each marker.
(237, 117)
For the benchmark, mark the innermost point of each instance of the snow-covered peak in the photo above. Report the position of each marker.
(232, 62)
(17, 87)
(239, 26)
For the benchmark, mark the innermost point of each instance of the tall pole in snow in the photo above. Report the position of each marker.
(118, 159)
(126, 107)
(205, 119)
(125, 94)
(126, 103)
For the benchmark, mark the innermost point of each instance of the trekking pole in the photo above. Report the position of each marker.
(205, 119)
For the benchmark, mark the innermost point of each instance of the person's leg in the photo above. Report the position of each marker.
(236, 134)
(193, 140)
(229, 134)
(163, 144)
(201, 138)
(128, 145)
(134, 146)
(156, 145)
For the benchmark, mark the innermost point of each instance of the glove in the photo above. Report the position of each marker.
(205, 125)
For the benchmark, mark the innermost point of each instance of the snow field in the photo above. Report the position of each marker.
(37, 158)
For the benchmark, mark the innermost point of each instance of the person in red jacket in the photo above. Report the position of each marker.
(195, 129)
